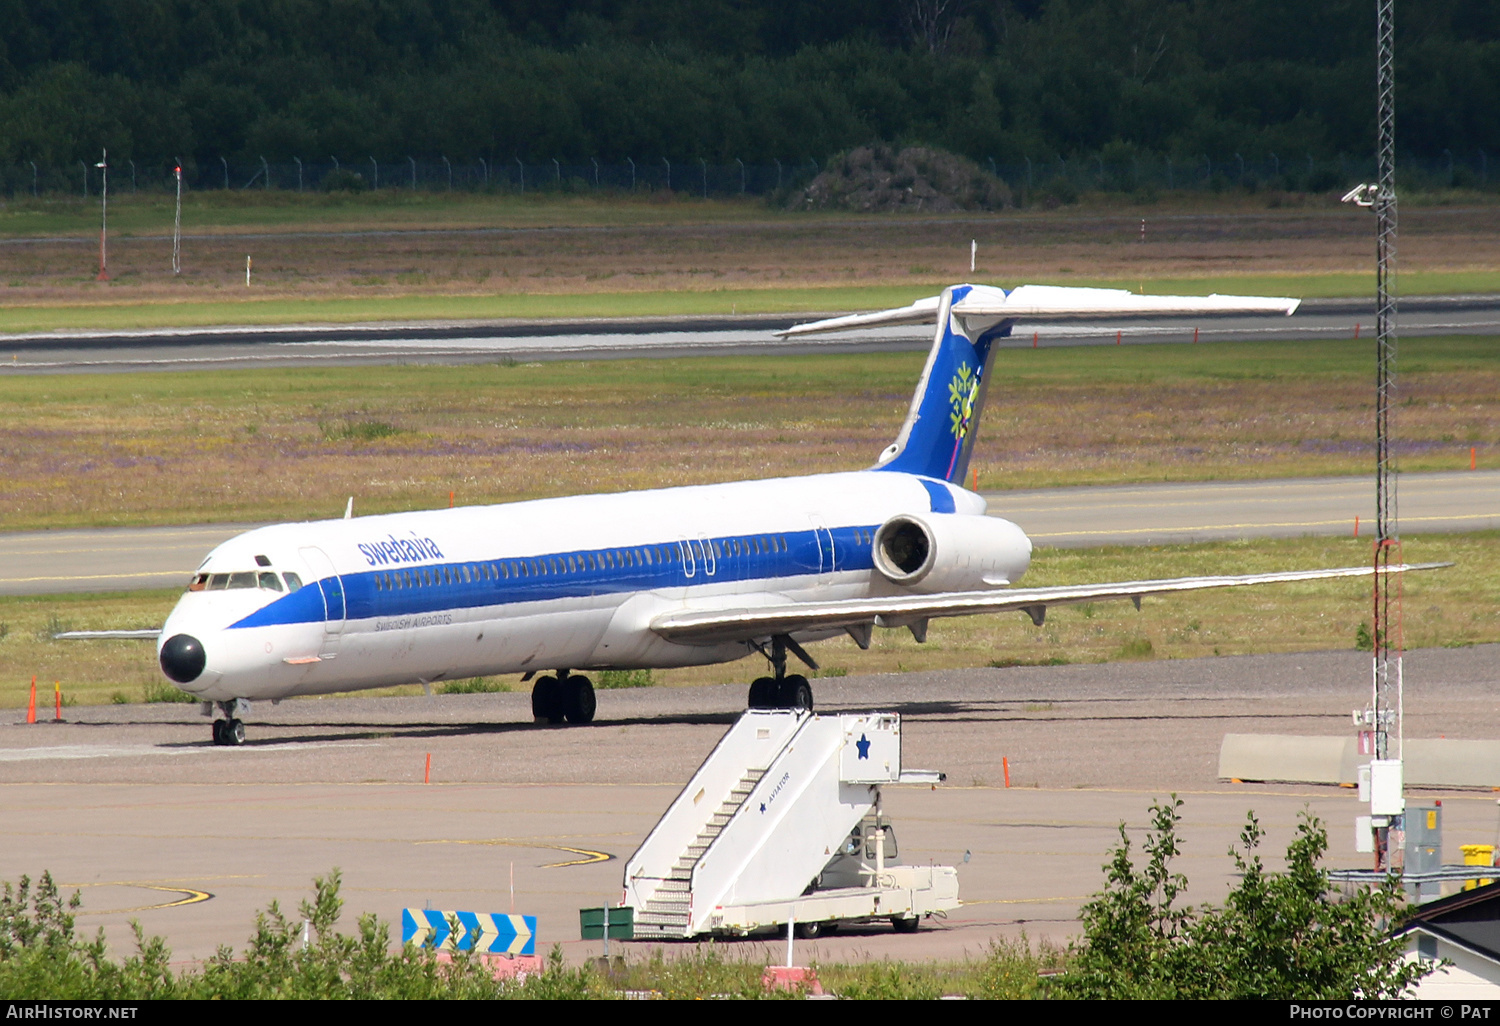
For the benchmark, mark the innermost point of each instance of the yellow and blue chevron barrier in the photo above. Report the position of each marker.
(486, 932)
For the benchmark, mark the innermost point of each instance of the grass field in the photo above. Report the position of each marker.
(291, 444)
(1457, 606)
(399, 256)
(194, 313)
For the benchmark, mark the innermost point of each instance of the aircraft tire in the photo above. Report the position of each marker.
(545, 704)
(762, 693)
(219, 732)
(234, 732)
(795, 693)
(579, 702)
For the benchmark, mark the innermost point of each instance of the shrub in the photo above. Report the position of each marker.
(879, 178)
(1280, 936)
(612, 679)
(475, 686)
(156, 691)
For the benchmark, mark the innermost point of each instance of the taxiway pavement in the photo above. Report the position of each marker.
(64, 352)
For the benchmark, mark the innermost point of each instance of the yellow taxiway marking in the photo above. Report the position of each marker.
(589, 856)
(190, 896)
(98, 577)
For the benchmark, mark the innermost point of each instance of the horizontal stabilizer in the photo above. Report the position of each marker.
(923, 311)
(149, 634)
(1053, 303)
(703, 626)
(1056, 302)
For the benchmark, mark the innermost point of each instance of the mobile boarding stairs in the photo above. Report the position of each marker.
(770, 829)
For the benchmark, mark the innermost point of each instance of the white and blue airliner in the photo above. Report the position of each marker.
(687, 576)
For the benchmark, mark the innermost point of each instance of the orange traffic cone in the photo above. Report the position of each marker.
(31, 706)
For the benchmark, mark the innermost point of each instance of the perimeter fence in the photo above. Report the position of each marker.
(1058, 180)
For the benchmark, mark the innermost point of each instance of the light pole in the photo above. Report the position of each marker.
(226, 173)
(103, 167)
(299, 173)
(177, 223)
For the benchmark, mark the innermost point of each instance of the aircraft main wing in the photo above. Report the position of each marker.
(704, 626)
(1053, 303)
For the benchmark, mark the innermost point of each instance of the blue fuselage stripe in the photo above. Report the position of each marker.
(583, 573)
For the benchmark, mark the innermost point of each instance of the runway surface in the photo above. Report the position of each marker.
(134, 806)
(122, 559)
(478, 342)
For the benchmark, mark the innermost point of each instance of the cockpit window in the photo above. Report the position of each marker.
(243, 579)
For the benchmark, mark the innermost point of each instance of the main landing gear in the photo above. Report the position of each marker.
(782, 691)
(228, 729)
(564, 697)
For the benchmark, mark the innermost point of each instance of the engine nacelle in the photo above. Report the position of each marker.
(934, 552)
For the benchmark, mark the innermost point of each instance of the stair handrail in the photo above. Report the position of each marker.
(712, 783)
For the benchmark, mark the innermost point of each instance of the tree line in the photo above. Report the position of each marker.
(720, 80)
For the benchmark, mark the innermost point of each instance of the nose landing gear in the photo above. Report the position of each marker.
(782, 691)
(566, 697)
(228, 729)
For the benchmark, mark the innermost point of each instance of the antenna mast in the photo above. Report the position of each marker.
(1387, 690)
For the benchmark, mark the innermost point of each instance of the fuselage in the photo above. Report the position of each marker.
(338, 605)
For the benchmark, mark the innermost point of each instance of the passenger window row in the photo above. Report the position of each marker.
(550, 566)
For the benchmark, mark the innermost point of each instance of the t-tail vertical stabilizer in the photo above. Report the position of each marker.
(938, 436)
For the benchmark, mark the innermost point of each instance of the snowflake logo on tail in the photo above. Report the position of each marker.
(963, 390)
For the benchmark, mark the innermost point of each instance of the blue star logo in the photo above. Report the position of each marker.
(863, 744)
(762, 806)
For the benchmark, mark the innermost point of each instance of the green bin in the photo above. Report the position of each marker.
(621, 923)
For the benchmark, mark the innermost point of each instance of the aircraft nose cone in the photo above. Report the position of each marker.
(183, 658)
